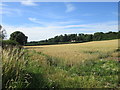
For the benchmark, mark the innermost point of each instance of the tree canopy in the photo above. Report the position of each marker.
(78, 38)
(2, 33)
(19, 37)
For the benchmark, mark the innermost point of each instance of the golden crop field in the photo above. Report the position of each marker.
(75, 53)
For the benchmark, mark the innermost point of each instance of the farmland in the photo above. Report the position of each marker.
(63, 44)
(82, 65)
(75, 53)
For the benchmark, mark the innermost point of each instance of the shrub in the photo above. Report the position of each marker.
(9, 43)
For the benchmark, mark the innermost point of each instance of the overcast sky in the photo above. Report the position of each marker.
(43, 20)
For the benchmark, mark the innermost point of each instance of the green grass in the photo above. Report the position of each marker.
(31, 69)
(86, 65)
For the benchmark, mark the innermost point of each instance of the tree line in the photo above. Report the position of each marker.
(77, 38)
(17, 38)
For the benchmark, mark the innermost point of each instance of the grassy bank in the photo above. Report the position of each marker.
(39, 68)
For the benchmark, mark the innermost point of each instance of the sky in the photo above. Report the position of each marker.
(43, 20)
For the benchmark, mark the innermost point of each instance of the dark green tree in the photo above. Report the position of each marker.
(65, 38)
(61, 38)
(2, 33)
(19, 37)
(88, 37)
(98, 36)
(56, 39)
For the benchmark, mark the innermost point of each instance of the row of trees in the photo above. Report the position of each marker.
(77, 38)
(21, 39)
(84, 37)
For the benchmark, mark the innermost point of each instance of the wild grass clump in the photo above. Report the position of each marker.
(20, 69)
(13, 67)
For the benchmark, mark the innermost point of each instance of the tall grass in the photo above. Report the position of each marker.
(13, 67)
(21, 69)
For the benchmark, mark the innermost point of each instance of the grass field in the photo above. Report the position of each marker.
(75, 53)
(82, 65)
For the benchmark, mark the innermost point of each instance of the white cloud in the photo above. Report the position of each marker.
(28, 3)
(1, 4)
(69, 7)
(33, 33)
(10, 11)
(4, 9)
(34, 20)
(41, 33)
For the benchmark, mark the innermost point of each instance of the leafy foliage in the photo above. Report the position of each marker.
(19, 37)
(9, 43)
(77, 38)
(2, 33)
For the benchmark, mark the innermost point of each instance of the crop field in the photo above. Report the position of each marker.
(75, 53)
(82, 65)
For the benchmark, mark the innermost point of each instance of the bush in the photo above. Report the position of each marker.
(9, 43)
